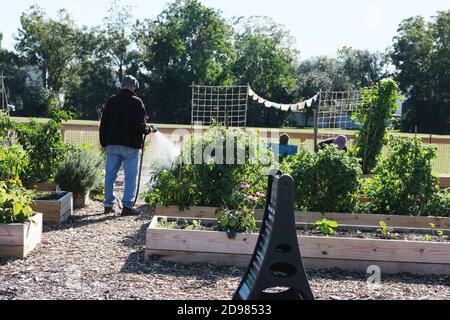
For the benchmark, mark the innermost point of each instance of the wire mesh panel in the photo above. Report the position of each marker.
(335, 111)
(224, 105)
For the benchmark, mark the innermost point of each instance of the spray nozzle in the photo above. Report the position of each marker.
(153, 129)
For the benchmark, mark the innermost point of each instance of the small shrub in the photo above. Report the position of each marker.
(15, 202)
(403, 183)
(301, 168)
(326, 181)
(13, 162)
(208, 183)
(80, 171)
(439, 204)
(44, 145)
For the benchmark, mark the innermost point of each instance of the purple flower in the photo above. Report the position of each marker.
(261, 195)
(245, 186)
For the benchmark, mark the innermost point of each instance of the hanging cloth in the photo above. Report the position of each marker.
(284, 107)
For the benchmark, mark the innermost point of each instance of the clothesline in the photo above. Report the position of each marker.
(281, 106)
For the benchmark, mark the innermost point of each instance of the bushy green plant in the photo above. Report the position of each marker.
(5, 125)
(236, 221)
(206, 183)
(439, 204)
(328, 228)
(173, 190)
(377, 108)
(13, 162)
(15, 202)
(403, 183)
(301, 168)
(326, 181)
(80, 171)
(44, 145)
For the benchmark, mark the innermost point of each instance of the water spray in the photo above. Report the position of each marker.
(152, 130)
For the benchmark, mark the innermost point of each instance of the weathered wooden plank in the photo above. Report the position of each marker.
(12, 251)
(46, 187)
(224, 259)
(200, 212)
(312, 217)
(11, 234)
(184, 257)
(311, 247)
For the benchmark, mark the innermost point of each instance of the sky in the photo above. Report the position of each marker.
(320, 27)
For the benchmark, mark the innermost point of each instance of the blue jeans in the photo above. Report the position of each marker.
(115, 157)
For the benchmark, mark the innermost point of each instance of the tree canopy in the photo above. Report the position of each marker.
(81, 67)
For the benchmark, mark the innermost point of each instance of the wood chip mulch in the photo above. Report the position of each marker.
(96, 256)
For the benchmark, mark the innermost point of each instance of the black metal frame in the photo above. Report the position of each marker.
(277, 261)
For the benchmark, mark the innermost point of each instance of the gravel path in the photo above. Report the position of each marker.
(102, 257)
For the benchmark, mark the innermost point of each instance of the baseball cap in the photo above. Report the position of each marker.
(130, 81)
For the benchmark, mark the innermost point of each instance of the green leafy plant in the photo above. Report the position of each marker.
(374, 115)
(328, 228)
(207, 183)
(385, 230)
(80, 171)
(403, 182)
(164, 223)
(194, 225)
(15, 202)
(438, 233)
(44, 145)
(428, 237)
(439, 204)
(326, 181)
(13, 162)
(236, 221)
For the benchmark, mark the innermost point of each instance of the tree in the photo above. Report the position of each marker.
(266, 59)
(362, 68)
(96, 78)
(320, 73)
(11, 68)
(49, 44)
(421, 54)
(187, 43)
(115, 38)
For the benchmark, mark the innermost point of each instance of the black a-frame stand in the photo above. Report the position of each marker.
(277, 262)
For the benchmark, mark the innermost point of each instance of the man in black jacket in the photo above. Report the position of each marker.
(122, 127)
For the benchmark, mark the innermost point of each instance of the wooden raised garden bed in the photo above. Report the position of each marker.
(311, 217)
(319, 252)
(18, 240)
(46, 187)
(55, 207)
(445, 181)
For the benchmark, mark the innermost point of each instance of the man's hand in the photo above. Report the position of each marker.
(148, 129)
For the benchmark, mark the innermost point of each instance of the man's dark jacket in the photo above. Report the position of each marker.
(123, 121)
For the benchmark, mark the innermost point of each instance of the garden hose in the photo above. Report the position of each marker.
(152, 130)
